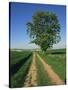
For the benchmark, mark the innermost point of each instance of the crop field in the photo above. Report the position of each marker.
(37, 68)
(19, 65)
(57, 60)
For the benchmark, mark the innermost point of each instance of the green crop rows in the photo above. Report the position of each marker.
(19, 65)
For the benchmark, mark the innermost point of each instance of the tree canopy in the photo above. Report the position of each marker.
(44, 29)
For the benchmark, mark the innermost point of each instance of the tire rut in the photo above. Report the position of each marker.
(31, 79)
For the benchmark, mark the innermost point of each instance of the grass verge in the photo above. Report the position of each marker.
(42, 76)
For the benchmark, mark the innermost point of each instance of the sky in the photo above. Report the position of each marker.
(21, 13)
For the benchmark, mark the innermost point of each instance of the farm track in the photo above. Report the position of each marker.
(31, 79)
(55, 79)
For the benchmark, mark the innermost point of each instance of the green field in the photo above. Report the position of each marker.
(17, 56)
(56, 51)
(57, 60)
(20, 63)
(19, 66)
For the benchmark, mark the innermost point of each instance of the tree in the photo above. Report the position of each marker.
(44, 29)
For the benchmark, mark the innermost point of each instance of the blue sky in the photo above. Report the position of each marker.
(21, 13)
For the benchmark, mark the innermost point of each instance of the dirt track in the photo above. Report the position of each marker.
(31, 76)
(55, 79)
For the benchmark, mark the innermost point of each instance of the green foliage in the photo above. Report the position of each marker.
(44, 29)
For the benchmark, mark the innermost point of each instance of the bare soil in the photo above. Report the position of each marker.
(31, 76)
